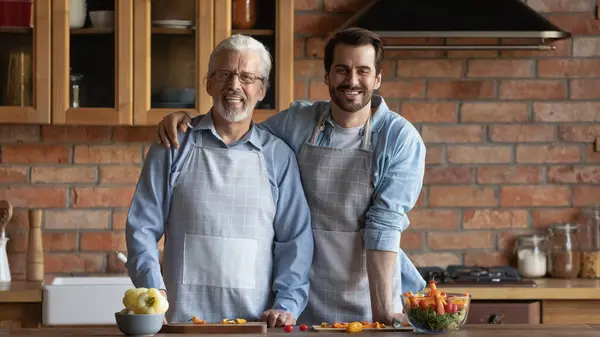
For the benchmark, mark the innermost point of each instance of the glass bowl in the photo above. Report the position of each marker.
(426, 316)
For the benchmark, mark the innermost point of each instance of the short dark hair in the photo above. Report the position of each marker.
(354, 36)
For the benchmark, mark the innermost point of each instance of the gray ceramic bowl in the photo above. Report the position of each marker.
(138, 325)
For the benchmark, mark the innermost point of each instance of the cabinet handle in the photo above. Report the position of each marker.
(495, 319)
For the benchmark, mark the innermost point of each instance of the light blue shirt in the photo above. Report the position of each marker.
(149, 211)
(398, 170)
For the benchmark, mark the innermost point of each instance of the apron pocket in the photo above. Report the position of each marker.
(219, 262)
(340, 255)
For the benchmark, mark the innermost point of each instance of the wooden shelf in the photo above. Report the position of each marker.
(16, 30)
(172, 31)
(91, 31)
(265, 32)
(188, 31)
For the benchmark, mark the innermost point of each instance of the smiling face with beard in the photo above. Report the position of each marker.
(234, 98)
(352, 77)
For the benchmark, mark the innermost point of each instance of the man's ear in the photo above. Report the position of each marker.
(326, 79)
(262, 93)
(208, 86)
(377, 81)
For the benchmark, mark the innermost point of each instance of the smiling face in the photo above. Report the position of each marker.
(352, 77)
(236, 84)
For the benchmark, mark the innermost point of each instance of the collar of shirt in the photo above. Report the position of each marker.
(378, 103)
(205, 122)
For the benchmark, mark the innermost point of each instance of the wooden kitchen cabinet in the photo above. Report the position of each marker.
(274, 27)
(25, 68)
(117, 74)
(174, 58)
(92, 66)
(172, 44)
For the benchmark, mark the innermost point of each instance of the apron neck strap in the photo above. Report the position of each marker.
(198, 138)
(366, 143)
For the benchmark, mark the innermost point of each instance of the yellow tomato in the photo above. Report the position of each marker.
(354, 327)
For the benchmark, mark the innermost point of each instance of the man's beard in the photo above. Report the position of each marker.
(233, 115)
(349, 105)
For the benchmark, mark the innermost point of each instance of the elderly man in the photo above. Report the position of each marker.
(362, 168)
(229, 200)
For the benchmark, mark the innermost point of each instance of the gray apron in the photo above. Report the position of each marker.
(219, 236)
(339, 188)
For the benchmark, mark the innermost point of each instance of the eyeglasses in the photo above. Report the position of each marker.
(244, 77)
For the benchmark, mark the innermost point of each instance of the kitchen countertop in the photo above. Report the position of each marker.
(503, 330)
(21, 291)
(546, 289)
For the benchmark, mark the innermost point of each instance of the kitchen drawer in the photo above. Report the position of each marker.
(508, 312)
(571, 311)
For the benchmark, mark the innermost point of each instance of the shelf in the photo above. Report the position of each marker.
(188, 31)
(91, 31)
(172, 31)
(255, 32)
(16, 30)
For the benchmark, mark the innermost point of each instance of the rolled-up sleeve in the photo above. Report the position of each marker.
(146, 219)
(396, 192)
(293, 248)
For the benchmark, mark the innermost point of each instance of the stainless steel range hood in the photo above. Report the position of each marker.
(495, 19)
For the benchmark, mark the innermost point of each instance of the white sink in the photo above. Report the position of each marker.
(83, 300)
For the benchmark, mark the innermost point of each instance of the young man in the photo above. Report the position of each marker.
(229, 200)
(362, 168)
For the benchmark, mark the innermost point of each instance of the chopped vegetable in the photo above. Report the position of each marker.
(354, 327)
(431, 321)
(233, 321)
(437, 311)
(197, 320)
(344, 325)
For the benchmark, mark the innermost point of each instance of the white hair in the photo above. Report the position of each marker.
(243, 43)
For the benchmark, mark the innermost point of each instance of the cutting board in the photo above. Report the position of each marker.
(249, 327)
(387, 328)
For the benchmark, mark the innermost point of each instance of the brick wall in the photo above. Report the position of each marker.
(83, 178)
(509, 138)
(509, 134)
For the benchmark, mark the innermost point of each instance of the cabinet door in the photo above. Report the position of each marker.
(273, 25)
(25, 62)
(92, 62)
(172, 45)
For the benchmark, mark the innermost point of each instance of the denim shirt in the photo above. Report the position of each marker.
(398, 170)
(149, 211)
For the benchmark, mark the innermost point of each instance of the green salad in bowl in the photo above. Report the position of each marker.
(436, 312)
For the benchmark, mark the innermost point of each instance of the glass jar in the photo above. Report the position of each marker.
(564, 260)
(531, 255)
(589, 239)
(76, 91)
(243, 14)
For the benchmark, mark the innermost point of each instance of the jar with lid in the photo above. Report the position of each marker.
(589, 240)
(243, 14)
(531, 255)
(76, 91)
(564, 259)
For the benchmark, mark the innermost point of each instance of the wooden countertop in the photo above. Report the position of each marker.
(546, 289)
(515, 330)
(20, 291)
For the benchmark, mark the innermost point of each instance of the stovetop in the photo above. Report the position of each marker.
(456, 275)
